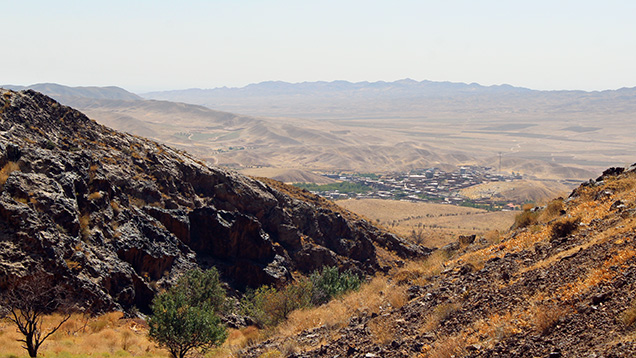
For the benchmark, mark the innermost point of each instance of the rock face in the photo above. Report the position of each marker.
(115, 217)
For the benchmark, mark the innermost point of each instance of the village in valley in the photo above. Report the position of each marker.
(428, 185)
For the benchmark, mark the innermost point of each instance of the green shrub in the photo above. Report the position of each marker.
(331, 283)
(269, 306)
(184, 317)
(204, 288)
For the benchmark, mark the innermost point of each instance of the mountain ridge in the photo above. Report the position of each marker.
(114, 217)
(57, 90)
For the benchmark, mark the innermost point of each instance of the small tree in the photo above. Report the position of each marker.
(330, 283)
(27, 303)
(184, 317)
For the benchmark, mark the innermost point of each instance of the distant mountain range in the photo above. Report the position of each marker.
(403, 98)
(336, 88)
(377, 127)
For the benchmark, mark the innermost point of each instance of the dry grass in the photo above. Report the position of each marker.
(382, 330)
(6, 170)
(552, 210)
(373, 297)
(105, 336)
(438, 315)
(606, 271)
(544, 317)
(84, 222)
(95, 195)
(446, 347)
(629, 316)
(115, 206)
(439, 224)
(418, 272)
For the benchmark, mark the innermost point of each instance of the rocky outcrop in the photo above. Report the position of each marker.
(115, 217)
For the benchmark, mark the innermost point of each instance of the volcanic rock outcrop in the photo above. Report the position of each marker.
(114, 217)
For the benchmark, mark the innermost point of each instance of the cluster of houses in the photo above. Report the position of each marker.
(429, 185)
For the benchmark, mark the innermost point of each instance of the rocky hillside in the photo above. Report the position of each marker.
(114, 217)
(562, 283)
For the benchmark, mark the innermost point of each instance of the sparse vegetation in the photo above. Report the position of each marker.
(270, 306)
(185, 318)
(629, 316)
(95, 195)
(546, 316)
(564, 227)
(6, 170)
(526, 218)
(330, 283)
(345, 186)
(27, 303)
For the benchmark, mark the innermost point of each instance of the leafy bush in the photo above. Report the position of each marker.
(184, 317)
(331, 283)
(269, 306)
(204, 288)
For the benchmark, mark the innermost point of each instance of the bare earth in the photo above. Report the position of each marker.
(518, 190)
(440, 223)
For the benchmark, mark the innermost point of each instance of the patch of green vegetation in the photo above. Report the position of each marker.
(229, 136)
(489, 206)
(371, 176)
(269, 306)
(198, 136)
(342, 187)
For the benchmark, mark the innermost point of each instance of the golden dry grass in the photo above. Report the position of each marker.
(382, 330)
(6, 170)
(518, 190)
(105, 336)
(438, 223)
(419, 271)
(95, 195)
(446, 347)
(373, 297)
(110, 335)
(629, 316)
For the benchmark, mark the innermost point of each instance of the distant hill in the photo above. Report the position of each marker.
(403, 98)
(405, 87)
(60, 91)
(549, 134)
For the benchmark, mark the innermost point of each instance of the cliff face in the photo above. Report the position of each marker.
(114, 217)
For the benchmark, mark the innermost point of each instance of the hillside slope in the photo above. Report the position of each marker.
(114, 217)
(561, 284)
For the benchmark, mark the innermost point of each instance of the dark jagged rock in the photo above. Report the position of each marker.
(115, 216)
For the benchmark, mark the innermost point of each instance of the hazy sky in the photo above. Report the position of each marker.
(158, 45)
